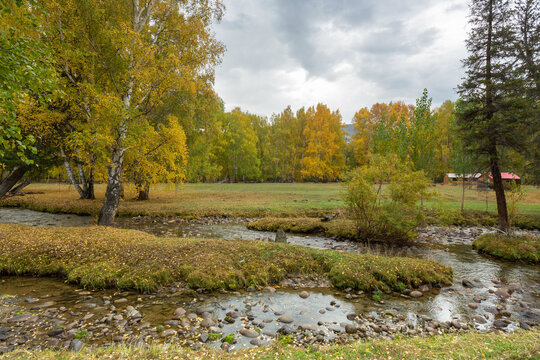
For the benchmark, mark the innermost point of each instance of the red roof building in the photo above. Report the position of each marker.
(507, 177)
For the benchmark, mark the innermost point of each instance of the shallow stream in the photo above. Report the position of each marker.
(478, 298)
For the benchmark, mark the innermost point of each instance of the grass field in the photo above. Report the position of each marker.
(250, 200)
(518, 345)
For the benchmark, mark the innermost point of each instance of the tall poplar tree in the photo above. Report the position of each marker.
(488, 113)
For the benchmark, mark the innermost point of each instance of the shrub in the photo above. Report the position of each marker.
(391, 216)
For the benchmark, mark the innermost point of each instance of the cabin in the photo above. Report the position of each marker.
(452, 178)
(507, 178)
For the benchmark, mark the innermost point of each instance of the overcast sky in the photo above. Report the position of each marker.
(344, 53)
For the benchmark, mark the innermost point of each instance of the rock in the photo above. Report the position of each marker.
(500, 324)
(322, 311)
(208, 323)
(225, 346)
(180, 311)
(255, 342)
(122, 300)
(350, 329)
(281, 236)
(502, 293)
(204, 337)
(251, 289)
(506, 313)
(415, 294)
(75, 345)
(391, 312)
(286, 330)
(269, 289)
(473, 305)
(304, 294)
(285, 319)
(55, 332)
(310, 327)
(19, 318)
(228, 319)
(168, 332)
(424, 288)
(479, 319)
(466, 283)
(118, 338)
(249, 333)
(134, 314)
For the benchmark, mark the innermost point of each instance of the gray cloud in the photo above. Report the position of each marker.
(345, 53)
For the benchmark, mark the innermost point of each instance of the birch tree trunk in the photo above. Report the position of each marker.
(13, 178)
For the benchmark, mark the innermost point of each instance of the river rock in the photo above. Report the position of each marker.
(20, 318)
(304, 294)
(55, 332)
(249, 333)
(467, 283)
(281, 236)
(207, 323)
(473, 305)
(75, 345)
(286, 330)
(269, 289)
(350, 329)
(285, 319)
(502, 293)
(179, 311)
(500, 324)
(415, 294)
(204, 337)
(168, 332)
(479, 319)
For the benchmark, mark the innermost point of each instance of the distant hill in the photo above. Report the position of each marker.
(348, 132)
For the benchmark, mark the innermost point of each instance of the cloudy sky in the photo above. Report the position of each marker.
(344, 53)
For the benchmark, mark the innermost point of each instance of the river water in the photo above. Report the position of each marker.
(325, 312)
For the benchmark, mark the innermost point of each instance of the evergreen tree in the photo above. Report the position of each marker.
(487, 115)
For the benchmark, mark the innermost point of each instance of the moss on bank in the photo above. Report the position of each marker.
(513, 248)
(344, 229)
(98, 257)
(518, 345)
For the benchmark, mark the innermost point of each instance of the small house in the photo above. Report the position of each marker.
(452, 178)
(507, 178)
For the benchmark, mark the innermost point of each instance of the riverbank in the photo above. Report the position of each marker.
(510, 247)
(98, 257)
(518, 345)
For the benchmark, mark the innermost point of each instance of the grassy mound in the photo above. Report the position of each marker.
(514, 248)
(98, 257)
(518, 345)
(339, 228)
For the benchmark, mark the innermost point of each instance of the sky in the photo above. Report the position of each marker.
(346, 54)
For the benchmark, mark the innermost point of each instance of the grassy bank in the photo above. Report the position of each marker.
(98, 257)
(518, 345)
(339, 228)
(247, 200)
(513, 248)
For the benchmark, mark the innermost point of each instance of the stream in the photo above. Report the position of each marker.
(487, 294)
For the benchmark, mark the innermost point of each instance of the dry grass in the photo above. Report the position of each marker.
(249, 200)
(514, 248)
(100, 257)
(518, 345)
(344, 229)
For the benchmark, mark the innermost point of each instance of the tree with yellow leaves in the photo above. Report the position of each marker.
(323, 158)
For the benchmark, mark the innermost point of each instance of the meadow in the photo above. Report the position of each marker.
(244, 199)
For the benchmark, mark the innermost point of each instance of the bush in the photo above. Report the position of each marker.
(386, 217)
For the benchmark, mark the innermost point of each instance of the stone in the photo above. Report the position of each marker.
(502, 293)
(467, 283)
(255, 342)
(168, 332)
(120, 301)
(55, 332)
(350, 329)
(286, 330)
(500, 324)
(415, 294)
(310, 327)
(281, 236)
(304, 294)
(180, 311)
(76, 345)
(204, 337)
(20, 318)
(285, 319)
(208, 323)
(249, 333)
(269, 289)
(506, 313)
(479, 319)
(473, 305)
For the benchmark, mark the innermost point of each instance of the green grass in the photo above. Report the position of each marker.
(250, 200)
(518, 345)
(100, 257)
(513, 248)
